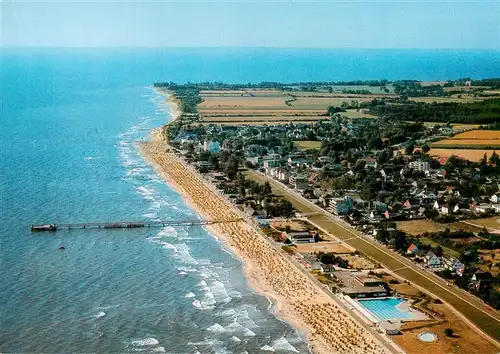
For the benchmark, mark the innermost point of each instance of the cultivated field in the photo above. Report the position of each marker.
(238, 119)
(308, 144)
(468, 154)
(258, 122)
(479, 134)
(273, 106)
(472, 139)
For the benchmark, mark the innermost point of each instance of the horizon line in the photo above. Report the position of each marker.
(6, 46)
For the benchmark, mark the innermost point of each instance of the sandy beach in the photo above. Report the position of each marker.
(160, 134)
(299, 301)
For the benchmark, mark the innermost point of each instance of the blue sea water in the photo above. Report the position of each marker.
(69, 120)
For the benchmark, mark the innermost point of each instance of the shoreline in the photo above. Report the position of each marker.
(325, 326)
(255, 283)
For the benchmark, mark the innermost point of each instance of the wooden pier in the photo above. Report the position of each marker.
(127, 224)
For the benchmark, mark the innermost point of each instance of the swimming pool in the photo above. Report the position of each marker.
(386, 309)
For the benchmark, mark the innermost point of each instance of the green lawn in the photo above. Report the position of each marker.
(308, 144)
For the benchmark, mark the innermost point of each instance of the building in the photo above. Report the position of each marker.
(340, 206)
(432, 260)
(299, 182)
(301, 237)
(327, 268)
(452, 264)
(420, 165)
(212, 146)
(358, 284)
(495, 198)
(413, 249)
(271, 163)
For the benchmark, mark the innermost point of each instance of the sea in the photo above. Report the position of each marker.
(70, 120)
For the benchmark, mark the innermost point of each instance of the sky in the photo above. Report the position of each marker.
(319, 24)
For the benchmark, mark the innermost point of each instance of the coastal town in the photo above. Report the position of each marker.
(374, 204)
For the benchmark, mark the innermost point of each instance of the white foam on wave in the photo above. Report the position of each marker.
(219, 291)
(168, 246)
(187, 269)
(235, 339)
(216, 328)
(167, 231)
(150, 215)
(248, 333)
(201, 305)
(235, 327)
(189, 295)
(145, 191)
(182, 273)
(183, 254)
(159, 349)
(100, 314)
(283, 344)
(267, 348)
(145, 342)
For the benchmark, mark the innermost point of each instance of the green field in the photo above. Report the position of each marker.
(308, 144)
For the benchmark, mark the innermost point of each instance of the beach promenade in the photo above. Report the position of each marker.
(299, 300)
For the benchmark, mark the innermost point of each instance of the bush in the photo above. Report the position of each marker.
(448, 332)
(393, 281)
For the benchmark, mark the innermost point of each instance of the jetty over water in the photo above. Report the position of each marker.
(128, 224)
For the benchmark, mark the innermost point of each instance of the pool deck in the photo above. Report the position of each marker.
(372, 317)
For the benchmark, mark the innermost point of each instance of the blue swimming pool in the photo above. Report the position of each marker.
(386, 309)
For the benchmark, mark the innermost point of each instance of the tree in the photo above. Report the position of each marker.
(409, 149)
(448, 332)
(426, 149)
(267, 189)
(494, 158)
(438, 251)
(190, 148)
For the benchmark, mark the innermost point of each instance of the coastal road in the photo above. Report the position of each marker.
(471, 308)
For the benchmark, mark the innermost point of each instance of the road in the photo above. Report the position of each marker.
(470, 307)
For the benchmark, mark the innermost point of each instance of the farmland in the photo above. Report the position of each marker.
(468, 154)
(260, 106)
(486, 139)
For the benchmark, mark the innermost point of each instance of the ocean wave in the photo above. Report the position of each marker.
(100, 314)
(219, 291)
(183, 254)
(145, 342)
(267, 348)
(235, 339)
(187, 269)
(235, 327)
(216, 328)
(189, 295)
(202, 306)
(283, 344)
(248, 332)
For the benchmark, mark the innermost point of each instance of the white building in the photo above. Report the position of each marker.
(420, 165)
